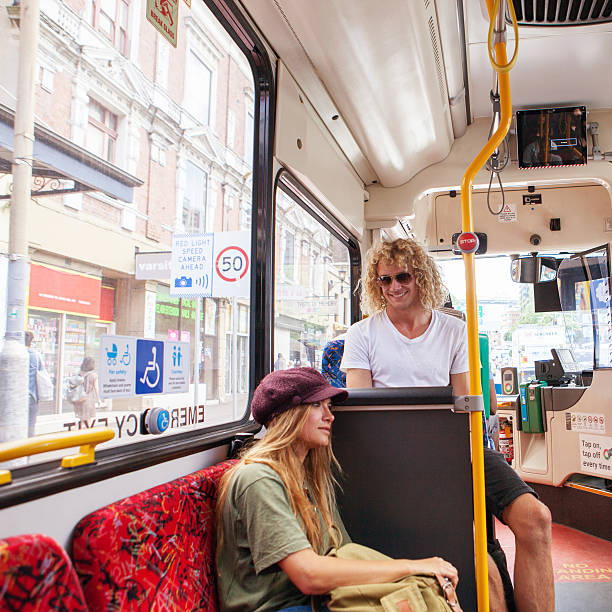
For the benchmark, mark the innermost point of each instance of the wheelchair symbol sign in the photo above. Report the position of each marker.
(149, 366)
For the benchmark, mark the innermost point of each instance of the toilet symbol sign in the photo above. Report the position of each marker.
(176, 367)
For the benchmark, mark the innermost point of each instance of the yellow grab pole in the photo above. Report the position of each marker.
(467, 225)
(85, 440)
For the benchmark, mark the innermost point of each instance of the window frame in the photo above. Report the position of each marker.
(43, 479)
(121, 46)
(109, 134)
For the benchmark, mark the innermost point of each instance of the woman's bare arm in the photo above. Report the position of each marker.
(315, 574)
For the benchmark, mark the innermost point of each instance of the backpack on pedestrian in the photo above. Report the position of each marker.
(76, 389)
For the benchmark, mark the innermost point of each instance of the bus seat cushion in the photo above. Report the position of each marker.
(154, 550)
(37, 574)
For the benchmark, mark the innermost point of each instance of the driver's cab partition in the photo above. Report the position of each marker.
(407, 476)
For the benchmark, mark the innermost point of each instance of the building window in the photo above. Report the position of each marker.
(101, 131)
(197, 88)
(289, 255)
(194, 200)
(111, 19)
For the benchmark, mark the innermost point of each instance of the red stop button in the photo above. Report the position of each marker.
(468, 242)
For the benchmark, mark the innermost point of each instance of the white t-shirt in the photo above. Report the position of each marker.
(375, 344)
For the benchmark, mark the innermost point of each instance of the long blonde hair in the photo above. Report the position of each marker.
(277, 450)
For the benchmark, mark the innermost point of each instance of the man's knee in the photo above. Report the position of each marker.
(528, 518)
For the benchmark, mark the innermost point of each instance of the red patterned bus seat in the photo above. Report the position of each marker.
(154, 550)
(36, 574)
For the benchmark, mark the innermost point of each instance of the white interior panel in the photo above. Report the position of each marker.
(281, 35)
(367, 62)
(381, 68)
(555, 65)
(304, 146)
(582, 210)
(386, 204)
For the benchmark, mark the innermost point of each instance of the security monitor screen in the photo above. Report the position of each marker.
(551, 137)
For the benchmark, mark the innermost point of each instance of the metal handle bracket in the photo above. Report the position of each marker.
(469, 403)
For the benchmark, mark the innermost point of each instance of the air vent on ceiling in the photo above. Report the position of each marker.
(561, 12)
(432, 23)
(438, 57)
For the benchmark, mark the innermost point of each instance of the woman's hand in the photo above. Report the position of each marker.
(436, 565)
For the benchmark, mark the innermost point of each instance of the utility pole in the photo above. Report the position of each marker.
(14, 358)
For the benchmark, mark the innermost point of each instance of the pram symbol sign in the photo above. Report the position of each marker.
(112, 359)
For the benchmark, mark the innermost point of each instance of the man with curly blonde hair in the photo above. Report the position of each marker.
(401, 291)
(407, 342)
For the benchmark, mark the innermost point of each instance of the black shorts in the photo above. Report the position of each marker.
(502, 484)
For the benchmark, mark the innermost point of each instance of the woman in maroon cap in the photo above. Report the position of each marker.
(277, 509)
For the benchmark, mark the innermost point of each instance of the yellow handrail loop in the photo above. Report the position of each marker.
(85, 440)
(507, 67)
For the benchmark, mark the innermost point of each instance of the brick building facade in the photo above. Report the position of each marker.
(179, 120)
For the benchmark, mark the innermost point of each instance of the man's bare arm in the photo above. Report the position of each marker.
(492, 398)
(460, 383)
(358, 378)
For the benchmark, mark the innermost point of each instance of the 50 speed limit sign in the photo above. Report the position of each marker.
(232, 264)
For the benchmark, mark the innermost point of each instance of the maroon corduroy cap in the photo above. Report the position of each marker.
(285, 389)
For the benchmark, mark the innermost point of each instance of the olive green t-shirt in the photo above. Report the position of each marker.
(260, 529)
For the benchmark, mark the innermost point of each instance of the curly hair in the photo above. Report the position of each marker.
(402, 252)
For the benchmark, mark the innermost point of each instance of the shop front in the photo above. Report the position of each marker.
(68, 312)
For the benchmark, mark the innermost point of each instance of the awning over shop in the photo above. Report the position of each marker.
(57, 160)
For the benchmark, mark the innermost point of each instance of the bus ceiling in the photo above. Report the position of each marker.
(392, 86)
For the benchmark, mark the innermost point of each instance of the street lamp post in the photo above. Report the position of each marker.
(14, 358)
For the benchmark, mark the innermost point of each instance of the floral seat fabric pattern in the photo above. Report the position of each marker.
(330, 363)
(37, 575)
(154, 550)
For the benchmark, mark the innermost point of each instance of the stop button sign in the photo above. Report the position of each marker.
(468, 242)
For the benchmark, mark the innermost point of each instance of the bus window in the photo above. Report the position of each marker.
(164, 138)
(312, 301)
(518, 335)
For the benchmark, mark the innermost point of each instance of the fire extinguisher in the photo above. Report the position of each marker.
(506, 445)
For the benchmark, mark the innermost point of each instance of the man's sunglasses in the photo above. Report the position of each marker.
(403, 278)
